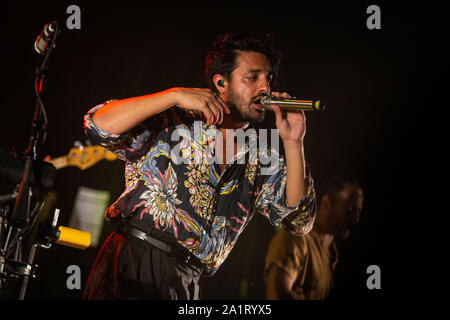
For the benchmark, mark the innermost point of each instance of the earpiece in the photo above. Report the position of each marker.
(220, 83)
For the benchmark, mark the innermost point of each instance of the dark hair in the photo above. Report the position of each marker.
(221, 58)
(332, 185)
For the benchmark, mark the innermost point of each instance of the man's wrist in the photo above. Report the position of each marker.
(173, 96)
(293, 146)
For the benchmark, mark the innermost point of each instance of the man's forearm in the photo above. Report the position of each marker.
(120, 116)
(295, 176)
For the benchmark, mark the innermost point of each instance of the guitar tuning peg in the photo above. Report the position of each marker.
(77, 144)
(88, 143)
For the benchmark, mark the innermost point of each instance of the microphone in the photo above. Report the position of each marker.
(40, 45)
(291, 104)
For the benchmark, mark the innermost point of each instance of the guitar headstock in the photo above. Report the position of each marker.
(85, 157)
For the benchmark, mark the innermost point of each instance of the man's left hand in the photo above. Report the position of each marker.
(291, 124)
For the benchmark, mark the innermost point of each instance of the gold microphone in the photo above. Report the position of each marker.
(291, 104)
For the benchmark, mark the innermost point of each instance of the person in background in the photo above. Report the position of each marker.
(302, 267)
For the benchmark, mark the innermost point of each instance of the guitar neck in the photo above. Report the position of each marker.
(60, 162)
(82, 158)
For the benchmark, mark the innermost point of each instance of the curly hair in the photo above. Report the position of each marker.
(221, 58)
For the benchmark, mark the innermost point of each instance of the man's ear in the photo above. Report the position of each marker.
(325, 202)
(220, 83)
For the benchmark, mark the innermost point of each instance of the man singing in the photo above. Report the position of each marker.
(181, 214)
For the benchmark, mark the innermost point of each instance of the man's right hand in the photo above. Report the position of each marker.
(204, 101)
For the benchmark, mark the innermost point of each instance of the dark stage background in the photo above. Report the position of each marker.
(384, 91)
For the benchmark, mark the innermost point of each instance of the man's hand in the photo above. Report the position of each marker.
(291, 125)
(204, 101)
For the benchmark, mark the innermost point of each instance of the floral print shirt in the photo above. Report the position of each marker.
(203, 210)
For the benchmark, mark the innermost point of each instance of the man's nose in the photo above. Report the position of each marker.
(264, 86)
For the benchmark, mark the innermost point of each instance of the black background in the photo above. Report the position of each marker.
(384, 122)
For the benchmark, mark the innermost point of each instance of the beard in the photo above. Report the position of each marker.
(245, 111)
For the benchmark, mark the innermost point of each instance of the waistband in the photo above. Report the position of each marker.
(175, 251)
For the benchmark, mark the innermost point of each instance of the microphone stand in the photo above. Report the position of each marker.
(21, 217)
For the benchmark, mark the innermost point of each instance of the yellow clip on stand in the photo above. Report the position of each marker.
(73, 238)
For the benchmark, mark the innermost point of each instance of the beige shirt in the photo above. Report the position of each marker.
(307, 260)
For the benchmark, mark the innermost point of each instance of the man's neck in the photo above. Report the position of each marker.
(232, 122)
(326, 237)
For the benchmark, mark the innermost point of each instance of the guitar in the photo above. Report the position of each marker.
(83, 157)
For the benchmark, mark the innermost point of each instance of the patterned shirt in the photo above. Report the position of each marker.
(173, 184)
